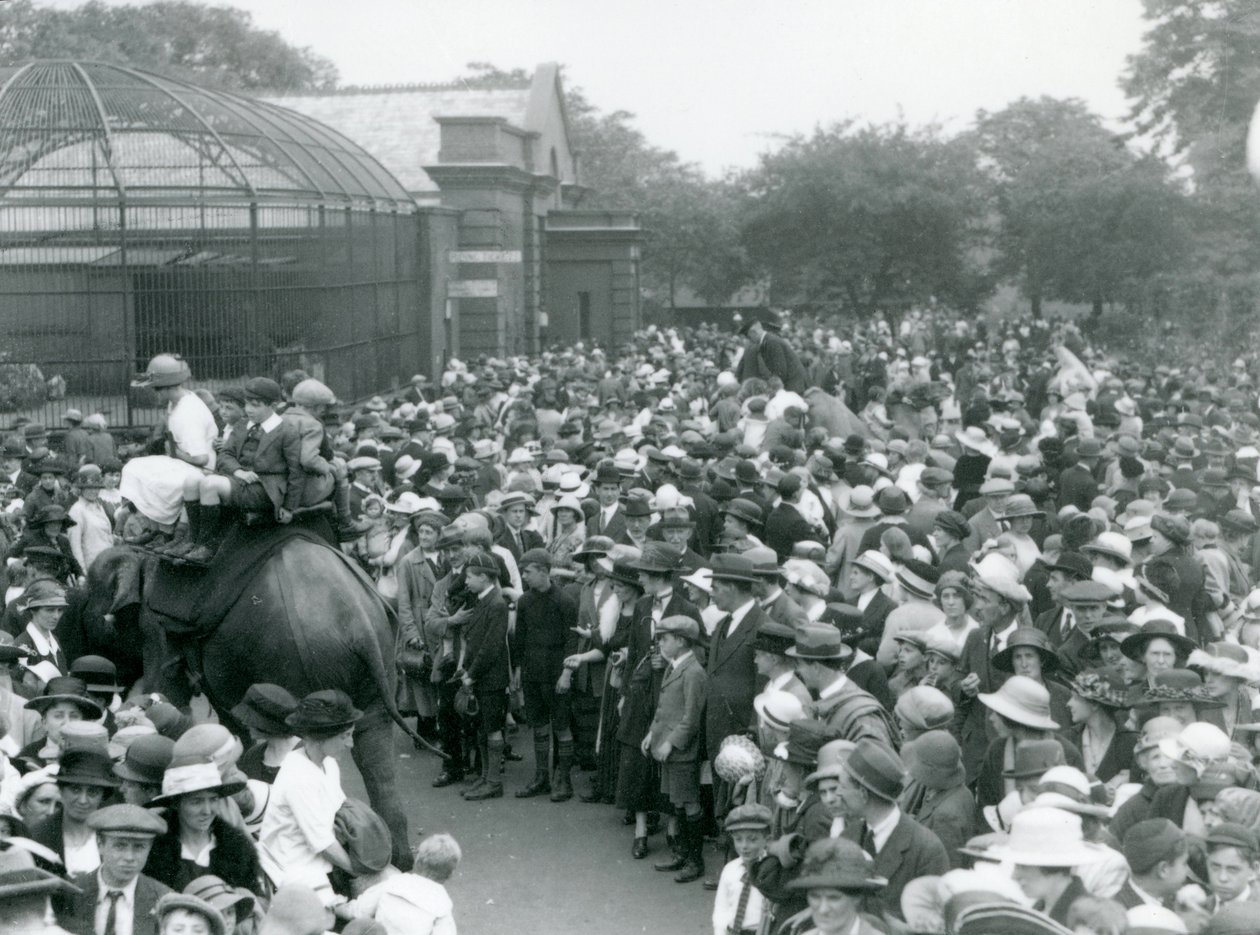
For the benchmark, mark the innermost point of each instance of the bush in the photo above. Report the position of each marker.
(21, 385)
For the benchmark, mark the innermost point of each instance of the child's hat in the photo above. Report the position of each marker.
(751, 817)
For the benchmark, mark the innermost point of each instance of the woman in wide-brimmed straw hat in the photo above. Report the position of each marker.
(1023, 705)
(1098, 707)
(296, 844)
(197, 839)
(1180, 694)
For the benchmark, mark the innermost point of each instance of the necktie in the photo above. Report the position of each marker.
(741, 908)
(868, 842)
(111, 920)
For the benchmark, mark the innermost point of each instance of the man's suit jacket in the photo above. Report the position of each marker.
(911, 851)
(971, 718)
(1077, 487)
(529, 540)
(949, 814)
(732, 679)
(277, 462)
(876, 615)
(773, 357)
(680, 710)
(83, 919)
(785, 526)
(616, 526)
(642, 684)
(786, 611)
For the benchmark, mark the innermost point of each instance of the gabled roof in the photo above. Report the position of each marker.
(397, 125)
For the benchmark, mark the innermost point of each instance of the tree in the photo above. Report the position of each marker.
(216, 46)
(867, 218)
(1194, 86)
(1079, 216)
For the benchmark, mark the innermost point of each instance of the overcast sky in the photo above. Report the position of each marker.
(720, 80)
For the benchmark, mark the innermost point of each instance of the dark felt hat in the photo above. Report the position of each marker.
(87, 768)
(67, 689)
(877, 769)
(805, 738)
(1135, 646)
(729, 566)
(1029, 638)
(659, 558)
(325, 713)
(745, 510)
(146, 759)
(99, 673)
(266, 708)
(837, 864)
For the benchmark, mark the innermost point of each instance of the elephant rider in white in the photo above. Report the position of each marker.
(155, 484)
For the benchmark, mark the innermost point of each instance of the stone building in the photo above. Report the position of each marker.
(530, 267)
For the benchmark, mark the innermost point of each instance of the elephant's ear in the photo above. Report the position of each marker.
(128, 583)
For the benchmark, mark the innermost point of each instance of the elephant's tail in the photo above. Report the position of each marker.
(374, 658)
(376, 665)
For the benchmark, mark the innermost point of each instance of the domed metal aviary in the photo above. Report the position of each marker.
(140, 214)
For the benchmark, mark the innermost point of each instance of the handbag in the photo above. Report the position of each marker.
(414, 662)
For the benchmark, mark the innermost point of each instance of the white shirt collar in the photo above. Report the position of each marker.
(484, 591)
(883, 831)
(865, 599)
(128, 891)
(45, 643)
(676, 662)
(270, 424)
(771, 597)
(201, 857)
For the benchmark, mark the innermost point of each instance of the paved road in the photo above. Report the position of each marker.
(534, 867)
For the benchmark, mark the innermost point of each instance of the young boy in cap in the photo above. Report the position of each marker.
(118, 899)
(1233, 861)
(738, 905)
(259, 469)
(673, 740)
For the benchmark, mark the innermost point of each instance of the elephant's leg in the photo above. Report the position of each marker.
(374, 755)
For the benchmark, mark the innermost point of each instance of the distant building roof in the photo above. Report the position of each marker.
(398, 125)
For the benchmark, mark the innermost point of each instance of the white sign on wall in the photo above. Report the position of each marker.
(472, 288)
(485, 256)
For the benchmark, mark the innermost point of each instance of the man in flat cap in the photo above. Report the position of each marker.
(118, 899)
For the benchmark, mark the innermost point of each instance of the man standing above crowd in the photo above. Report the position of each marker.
(768, 355)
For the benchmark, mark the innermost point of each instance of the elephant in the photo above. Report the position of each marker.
(307, 620)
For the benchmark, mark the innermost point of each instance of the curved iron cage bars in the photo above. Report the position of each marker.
(92, 130)
(141, 214)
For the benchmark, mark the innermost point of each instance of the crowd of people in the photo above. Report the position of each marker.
(924, 626)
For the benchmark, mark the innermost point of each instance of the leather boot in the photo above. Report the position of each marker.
(562, 788)
(207, 542)
(678, 849)
(541, 783)
(480, 779)
(492, 788)
(693, 849)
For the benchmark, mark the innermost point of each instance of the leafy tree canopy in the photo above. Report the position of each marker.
(213, 45)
